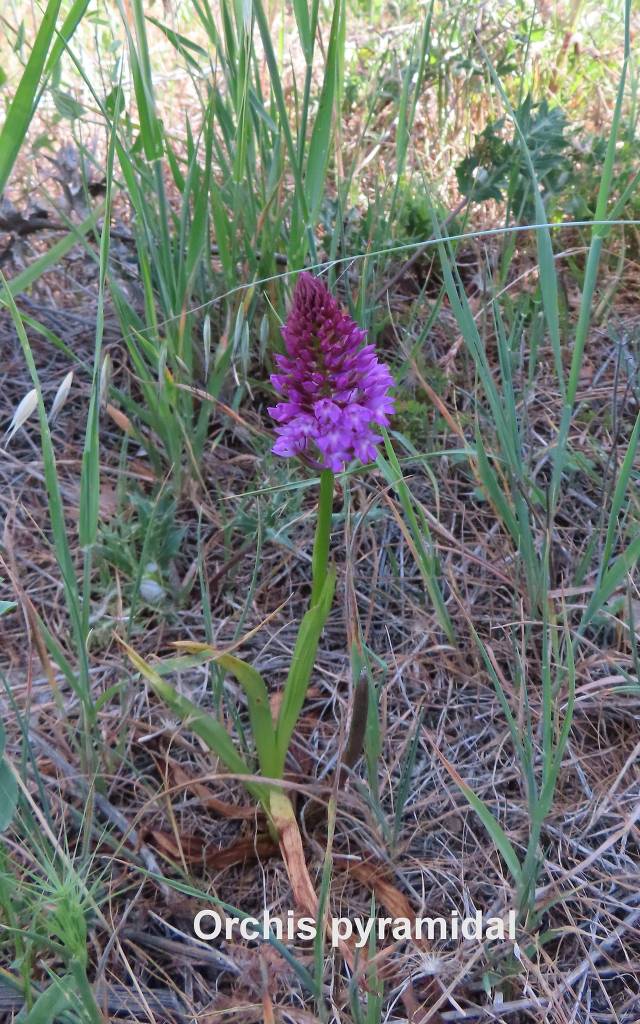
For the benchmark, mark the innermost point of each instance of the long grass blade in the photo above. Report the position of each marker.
(22, 107)
(203, 724)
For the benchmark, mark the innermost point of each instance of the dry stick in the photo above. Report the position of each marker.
(21, 226)
(295, 863)
(112, 941)
(494, 1011)
(589, 962)
(119, 999)
(192, 950)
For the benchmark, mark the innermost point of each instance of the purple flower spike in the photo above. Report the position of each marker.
(333, 387)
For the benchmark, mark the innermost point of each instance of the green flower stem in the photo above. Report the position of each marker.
(320, 561)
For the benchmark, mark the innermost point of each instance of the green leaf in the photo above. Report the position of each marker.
(90, 475)
(303, 22)
(318, 156)
(20, 34)
(304, 656)
(611, 580)
(63, 35)
(201, 722)
(107, 695)
(591, 268)
(66, 105)
(8, 795)
(419, 532)
(628, 465)
(56, 510)
(151, 132)
(494, 492)
(184, 46)
(546, 263)
(279, 99)
(492, 825)
(114, 102)
(55, 999)
(259, 710)
(198, 232)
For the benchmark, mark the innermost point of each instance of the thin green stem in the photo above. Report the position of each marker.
(320, 562)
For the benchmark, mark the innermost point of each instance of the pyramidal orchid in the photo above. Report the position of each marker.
(335, 394)
(335, 391)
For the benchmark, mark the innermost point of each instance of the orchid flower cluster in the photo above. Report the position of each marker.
(335, 390)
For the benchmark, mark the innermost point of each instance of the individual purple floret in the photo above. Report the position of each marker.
(334, 389)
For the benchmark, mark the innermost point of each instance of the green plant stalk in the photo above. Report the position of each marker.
(81, 684)
(548, 279)
(320, 560)
(553, 752)
(538, 805)
(599, 232)
(418, 531)
(308, 44)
